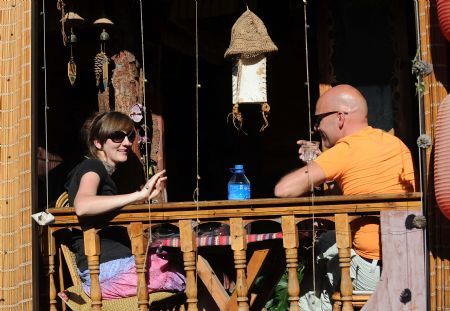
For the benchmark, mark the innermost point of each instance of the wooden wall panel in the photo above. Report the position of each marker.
(402, 283)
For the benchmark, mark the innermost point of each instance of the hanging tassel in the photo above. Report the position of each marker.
(265, 109)
(237, 118)
(71, 71)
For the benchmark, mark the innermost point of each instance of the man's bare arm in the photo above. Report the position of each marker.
(300, 181)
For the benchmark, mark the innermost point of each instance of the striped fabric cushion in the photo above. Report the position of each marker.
(220, 240)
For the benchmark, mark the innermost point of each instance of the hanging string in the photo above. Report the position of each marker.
(196, 194)
(71, 51)
(308, 163)
(197, 86)
(422, 156)
(245, 3)
(44, 67)
(144, 103)
(308, 90)
(146, 158)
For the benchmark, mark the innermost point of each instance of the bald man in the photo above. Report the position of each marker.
(361, 160)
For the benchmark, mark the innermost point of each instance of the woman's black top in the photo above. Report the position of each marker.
(114, 241)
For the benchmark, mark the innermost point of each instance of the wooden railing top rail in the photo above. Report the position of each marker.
(255, 208)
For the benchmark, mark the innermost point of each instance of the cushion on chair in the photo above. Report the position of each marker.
(76, 299)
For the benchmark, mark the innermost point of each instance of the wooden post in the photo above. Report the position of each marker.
(239, 247)
(92, 252)
(188, 246)
(343, 239)
(138, 248)
(51, 252)
(290, 243)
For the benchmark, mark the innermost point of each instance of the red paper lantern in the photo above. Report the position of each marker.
(442, 157)
(443, 10)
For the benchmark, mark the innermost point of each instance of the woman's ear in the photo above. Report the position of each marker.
(98, 145)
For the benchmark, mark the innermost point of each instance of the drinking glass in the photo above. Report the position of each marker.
(308, 151)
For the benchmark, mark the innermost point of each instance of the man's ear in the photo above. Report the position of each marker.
(98, 145)
(341, 120)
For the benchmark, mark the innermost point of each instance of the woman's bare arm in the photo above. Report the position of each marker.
(88, 203)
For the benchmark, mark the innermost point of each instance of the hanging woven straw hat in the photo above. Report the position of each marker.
(249, 37)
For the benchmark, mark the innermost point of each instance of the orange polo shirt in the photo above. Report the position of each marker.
(369, 161)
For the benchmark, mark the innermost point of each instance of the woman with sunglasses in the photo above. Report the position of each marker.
(92, 192)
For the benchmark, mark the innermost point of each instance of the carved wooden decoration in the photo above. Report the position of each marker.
(51, 252)
(125, 80)
(290, 243)
(239, 247)
(138, 249)
(92, 252)
(343, 238)
(188, 247)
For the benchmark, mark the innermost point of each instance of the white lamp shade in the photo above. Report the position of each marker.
(249, 80)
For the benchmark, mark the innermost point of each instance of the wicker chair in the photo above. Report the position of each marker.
(76, 298)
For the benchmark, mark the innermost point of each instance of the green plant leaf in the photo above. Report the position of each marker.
(279, 300)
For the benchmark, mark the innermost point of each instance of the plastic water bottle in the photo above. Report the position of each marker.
(239, 185)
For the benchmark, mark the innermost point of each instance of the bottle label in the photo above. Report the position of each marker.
(238, 192)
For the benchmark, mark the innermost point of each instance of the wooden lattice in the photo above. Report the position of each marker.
(433, 49)
(15, 156)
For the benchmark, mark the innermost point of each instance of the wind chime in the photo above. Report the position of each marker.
(249, 45)
(72, 19)
(101, 66)
(71, 66)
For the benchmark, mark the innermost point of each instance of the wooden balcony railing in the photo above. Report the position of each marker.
(401, 245)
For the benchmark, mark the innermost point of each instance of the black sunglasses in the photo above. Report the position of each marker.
(318, 118)
(119, 136)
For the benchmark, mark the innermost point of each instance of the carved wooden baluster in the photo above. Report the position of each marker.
(51, 252)
(343, 239)
(188, 246)
(92, 252)
(138, 248)
(290, 243)
(239, 247)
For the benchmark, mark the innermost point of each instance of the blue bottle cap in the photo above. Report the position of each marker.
(238, 168)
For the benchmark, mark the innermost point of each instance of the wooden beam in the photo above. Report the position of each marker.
(212, 283)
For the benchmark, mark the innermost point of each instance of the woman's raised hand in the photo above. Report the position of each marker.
(154, 185)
